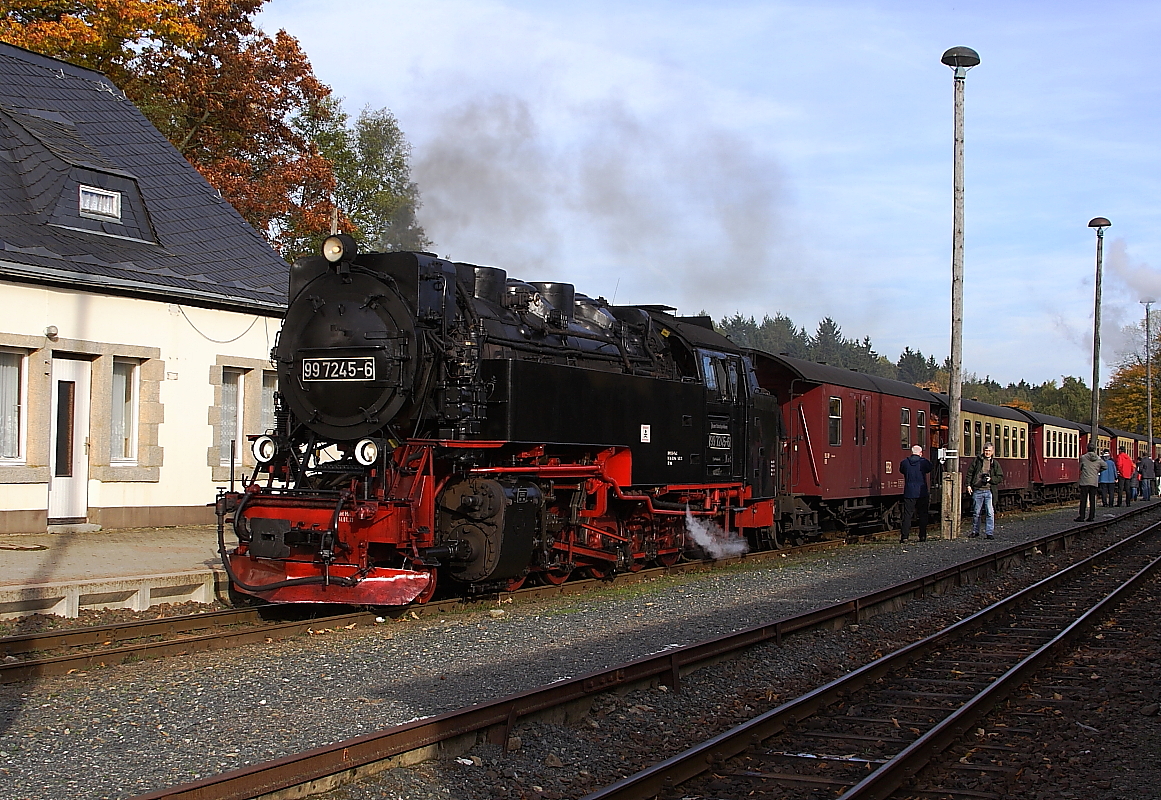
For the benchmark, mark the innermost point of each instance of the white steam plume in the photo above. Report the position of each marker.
(711, 538)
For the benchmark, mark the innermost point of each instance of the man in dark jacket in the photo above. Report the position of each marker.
(1091, 466)
(1148, 472)
(984, 476)
(915, 469)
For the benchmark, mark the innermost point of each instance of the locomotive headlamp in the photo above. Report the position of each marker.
(367, 452)
(264, 449)
(339, 247)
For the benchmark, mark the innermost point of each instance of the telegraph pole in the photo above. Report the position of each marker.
(960, 59)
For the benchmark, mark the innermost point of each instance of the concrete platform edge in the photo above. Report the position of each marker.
(139, 593)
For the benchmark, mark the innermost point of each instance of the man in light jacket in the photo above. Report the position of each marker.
(1090, 474)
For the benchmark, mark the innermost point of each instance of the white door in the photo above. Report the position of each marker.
(68, 485)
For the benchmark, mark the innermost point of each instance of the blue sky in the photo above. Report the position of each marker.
(763, 157)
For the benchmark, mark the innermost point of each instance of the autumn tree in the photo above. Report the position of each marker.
(223, 91)
(103, 35)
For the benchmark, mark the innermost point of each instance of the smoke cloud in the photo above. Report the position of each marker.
(675, 203)
(712, 539)
(1121, 313)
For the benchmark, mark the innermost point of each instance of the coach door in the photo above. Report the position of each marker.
(68, 496)
(861, 465)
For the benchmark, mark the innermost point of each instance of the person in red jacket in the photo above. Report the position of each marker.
(1125, 470)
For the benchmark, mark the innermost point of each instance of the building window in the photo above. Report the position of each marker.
(905, 428)
(11, 404)
(123, 413)
(269, 387)
(100, 203)
(836, 422)
(231, 414)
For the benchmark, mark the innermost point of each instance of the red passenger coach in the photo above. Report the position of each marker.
(1054, 465)
(846, 433)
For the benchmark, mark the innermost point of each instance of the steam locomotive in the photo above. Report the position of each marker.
(443, 422)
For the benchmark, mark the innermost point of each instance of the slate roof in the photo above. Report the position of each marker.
(62, 127)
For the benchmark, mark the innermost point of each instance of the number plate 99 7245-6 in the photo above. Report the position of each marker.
(338, 369)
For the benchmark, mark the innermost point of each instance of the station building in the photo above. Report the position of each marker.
(137, 313)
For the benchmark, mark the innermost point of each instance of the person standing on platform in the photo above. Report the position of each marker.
(1125, 470)
(916, 497)
(1147, 469)
(984, 477)
(1091, 466)
(1108, 480)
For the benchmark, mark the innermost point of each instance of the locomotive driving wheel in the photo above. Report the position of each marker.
(555, 577)
(669, 559)
(599, 572)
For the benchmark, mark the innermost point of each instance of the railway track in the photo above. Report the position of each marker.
(66, 651)
(327, 767)
(867, 733)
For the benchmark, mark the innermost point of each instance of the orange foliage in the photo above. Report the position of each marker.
(1124, 402)
(97, 34)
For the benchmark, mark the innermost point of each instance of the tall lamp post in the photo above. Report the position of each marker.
(960, 59)
(1148, 301)
(1099, 223)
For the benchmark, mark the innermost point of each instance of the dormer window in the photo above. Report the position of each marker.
(100, 204)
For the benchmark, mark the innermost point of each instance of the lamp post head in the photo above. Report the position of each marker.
(961, 59)
(1147, 301)
(1100, 223)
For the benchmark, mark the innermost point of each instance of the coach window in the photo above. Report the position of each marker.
(967, 437)
(836, 421)
(123, 413)
(12, 397)
(1023, 443)
(979, 438)
(1007, 440)
(905, 428)
(921, 424)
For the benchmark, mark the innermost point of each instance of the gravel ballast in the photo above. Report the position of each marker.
(126, 730)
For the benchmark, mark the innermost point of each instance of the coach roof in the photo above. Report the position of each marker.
(93, 197)
(814, 372)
